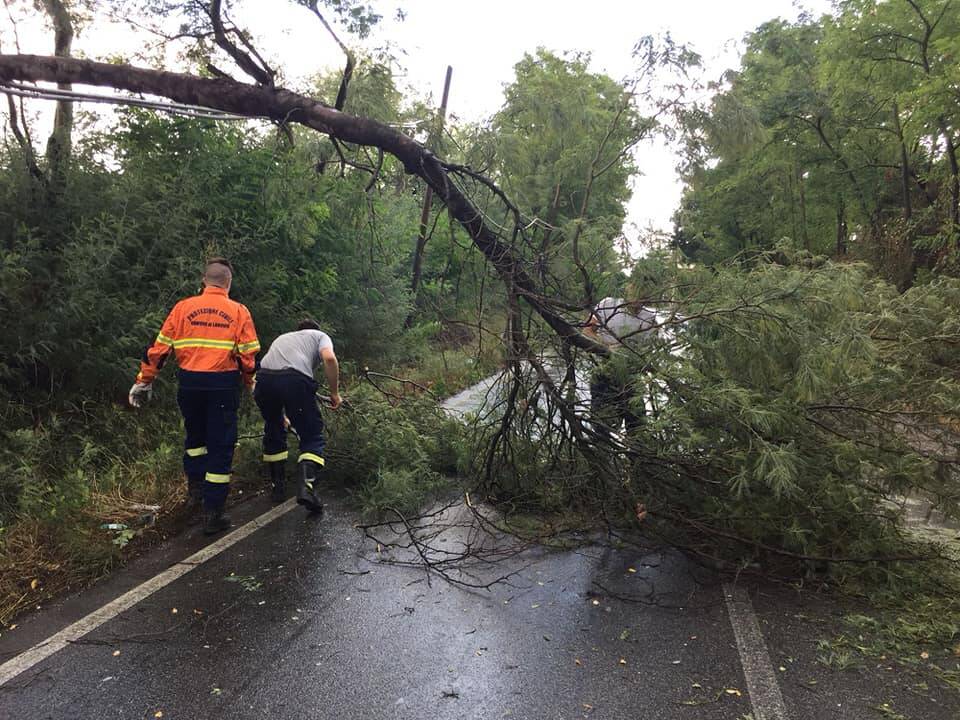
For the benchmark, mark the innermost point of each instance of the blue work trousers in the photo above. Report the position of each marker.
(210, 421)
(290, 393)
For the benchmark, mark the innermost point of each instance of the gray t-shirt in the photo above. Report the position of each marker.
(620, 323)
(298, 350)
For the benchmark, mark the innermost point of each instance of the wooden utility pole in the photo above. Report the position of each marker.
(425, 215)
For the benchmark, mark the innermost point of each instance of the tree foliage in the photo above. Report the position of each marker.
(788, 403)
(788, 398)
(838, 133)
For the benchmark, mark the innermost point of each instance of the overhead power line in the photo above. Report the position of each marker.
(192, 111)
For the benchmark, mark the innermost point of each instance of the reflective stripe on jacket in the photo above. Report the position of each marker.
(208, 333)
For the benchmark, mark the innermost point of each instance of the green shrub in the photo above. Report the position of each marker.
(392, 454)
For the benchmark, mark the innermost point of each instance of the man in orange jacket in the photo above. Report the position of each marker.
(215, 344)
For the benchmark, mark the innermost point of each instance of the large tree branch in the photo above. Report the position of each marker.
(282, 105)
(24, 142)
(59, 142)
(258, 71)
(348, 70)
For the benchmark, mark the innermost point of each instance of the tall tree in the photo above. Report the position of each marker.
(565, 136)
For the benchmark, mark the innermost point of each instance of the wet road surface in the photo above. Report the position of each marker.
(300, 620)
(305, 619)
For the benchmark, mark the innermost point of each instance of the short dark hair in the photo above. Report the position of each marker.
(308, 324)
(220, 261)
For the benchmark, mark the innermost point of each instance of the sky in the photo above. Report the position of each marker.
(482, 41)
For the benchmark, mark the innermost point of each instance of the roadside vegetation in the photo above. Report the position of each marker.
(804, 380)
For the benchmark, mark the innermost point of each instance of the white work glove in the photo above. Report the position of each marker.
(140, 393)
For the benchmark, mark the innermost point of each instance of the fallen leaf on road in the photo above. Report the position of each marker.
(547, 638)
(924, 655)
(625, 634)
(623, 661)
(173, 611)
(674, 662)
(576, 661)
(158, 714)
(34, 583)
(596, 602)
(782, 669)
(215, 691)
(587, 706)
(116, 653)
(698, 686)
(631, 570)
(197, 612)
(733, 691)
(535, 606)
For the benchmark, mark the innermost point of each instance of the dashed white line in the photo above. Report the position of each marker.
(765, 697)
(42, 650)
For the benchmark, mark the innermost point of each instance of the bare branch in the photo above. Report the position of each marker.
(259, 72)
(351, 62)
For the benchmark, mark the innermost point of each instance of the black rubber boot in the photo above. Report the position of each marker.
(216, 522)
(194, 494)
(278, 476)
(308, 496)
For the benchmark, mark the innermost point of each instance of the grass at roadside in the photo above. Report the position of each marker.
(87, 509)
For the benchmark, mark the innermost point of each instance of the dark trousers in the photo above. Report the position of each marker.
(610, 403)
(294, 394)
(210, 421)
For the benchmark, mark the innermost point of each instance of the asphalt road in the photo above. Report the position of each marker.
(302, 620)
(305, 619)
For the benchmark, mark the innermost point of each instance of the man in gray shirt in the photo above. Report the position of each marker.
(286, 389)
(615, 321)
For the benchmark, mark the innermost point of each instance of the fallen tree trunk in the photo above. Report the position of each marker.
(285, 106)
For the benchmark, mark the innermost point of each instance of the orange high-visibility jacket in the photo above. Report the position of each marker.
(208, 333)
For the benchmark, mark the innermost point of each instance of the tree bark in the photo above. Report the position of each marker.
(954, 174)
(282, 105)
(425, 214)
(59, 142)
(803, 209)
(904, 165)
(842, 233)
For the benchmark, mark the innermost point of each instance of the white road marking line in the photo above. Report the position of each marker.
(42, 650)
(765, 697)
